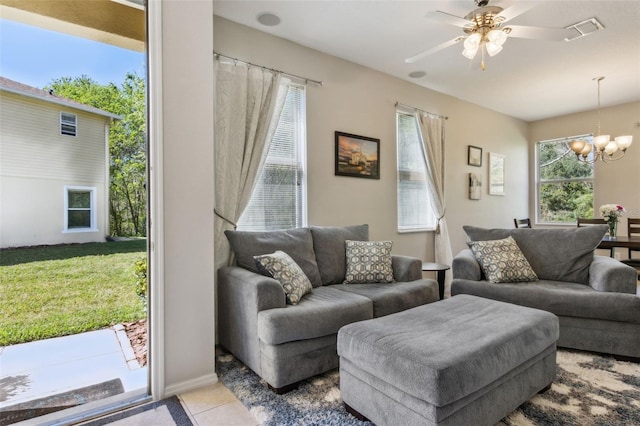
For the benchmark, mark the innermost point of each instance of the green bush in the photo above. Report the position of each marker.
(140, 271)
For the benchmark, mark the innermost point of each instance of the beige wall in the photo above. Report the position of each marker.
(359, 100)
(615, 182)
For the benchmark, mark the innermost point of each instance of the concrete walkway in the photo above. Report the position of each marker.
(47, 367)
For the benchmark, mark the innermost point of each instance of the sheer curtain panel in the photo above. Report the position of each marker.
(248, 105)
(431, 131)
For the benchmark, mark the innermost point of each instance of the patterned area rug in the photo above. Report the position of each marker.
(589, 390)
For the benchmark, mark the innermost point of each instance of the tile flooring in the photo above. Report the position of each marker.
(215, 405)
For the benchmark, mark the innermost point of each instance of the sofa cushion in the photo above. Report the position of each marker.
(395, 297)
(502, 261)
(285, 270)
(297, 243)
(320, 313)
(368, 262)
(554, 254)
(329, 246)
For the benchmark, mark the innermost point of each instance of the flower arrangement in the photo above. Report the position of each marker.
(611, 213)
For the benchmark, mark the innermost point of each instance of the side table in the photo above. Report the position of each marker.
(440, 269)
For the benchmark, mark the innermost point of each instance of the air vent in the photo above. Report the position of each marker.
(584, 28)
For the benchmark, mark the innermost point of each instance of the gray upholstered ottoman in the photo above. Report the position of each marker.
(462, 361)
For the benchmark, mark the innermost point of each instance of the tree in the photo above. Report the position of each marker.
(127, 145)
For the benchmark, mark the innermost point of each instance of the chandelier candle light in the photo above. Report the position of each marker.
(605, 148)
(611, 213)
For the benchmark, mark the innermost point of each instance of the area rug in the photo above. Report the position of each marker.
(39, 407)
(589, 390)
(167, 412)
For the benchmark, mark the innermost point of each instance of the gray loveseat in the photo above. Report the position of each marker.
(593, 296)
(287, 343)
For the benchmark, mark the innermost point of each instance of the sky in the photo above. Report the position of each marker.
(34, 56)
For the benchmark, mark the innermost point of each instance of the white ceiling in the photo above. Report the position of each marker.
(529, 79)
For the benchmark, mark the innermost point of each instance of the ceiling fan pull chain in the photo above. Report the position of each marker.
(482, 63)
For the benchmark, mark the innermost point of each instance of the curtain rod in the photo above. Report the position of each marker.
(398, 104)
(305, 79)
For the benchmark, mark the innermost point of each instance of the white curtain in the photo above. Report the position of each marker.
(248, 104)
(431, 131)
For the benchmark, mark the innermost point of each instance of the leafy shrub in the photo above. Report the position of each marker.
(140, 271)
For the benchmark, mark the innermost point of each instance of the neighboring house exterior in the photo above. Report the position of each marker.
(54, 168)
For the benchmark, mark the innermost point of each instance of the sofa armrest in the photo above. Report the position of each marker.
(406, 268)
(241, 295)
(611, 275)
(466, 267)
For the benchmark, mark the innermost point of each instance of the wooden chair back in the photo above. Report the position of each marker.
(633, 229)
(522, 223)
(588, 222)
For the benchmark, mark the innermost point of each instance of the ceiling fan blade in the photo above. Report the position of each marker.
(446, 18)
(433, 50)
(539, 33)
(513, 11)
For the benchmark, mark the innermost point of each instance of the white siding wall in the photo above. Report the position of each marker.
(36, 162)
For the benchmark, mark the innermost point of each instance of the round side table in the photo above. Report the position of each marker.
(440, 269)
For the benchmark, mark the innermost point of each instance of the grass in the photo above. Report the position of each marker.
(55, 291)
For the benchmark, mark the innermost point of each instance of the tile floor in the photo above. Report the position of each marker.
(215, 405)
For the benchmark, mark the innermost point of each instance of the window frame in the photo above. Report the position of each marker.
(539, 182)
(67, 123)
(427, 224)
(92, 190)
(301, 148)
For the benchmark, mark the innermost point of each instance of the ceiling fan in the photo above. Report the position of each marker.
(486, 27)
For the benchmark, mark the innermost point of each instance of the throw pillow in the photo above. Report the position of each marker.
(368, 262)
(282, 267)
(502, 261)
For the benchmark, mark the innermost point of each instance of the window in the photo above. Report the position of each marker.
(564, 184)
(414, 202)
(68, 124)
(278, 200)
(79, 209)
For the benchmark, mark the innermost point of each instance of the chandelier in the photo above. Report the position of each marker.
(603, 147)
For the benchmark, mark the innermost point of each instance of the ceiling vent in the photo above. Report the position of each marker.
(584, 28)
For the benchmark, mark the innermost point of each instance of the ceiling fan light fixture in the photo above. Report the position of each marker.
(493, 49)
(470, 53)
(473, 42)
(497, 36)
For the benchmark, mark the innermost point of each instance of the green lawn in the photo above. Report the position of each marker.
(60, 290)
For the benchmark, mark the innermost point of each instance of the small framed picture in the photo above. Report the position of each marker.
(475, 186)
(357, 156)
(474, 156)
(496, 174)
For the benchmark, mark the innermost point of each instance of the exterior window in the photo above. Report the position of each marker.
(80, 209)
(414, 202)
(68, 124)
(564, 184)
(279, 198)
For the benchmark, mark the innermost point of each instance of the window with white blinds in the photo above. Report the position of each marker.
(279, 198)
(414, 204)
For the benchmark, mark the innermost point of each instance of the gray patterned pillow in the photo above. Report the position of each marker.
(282, 267)
(502, 261)
(368, 262)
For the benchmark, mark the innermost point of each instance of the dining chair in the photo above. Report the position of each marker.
(522, 223)
(633, 229)
(583, 221)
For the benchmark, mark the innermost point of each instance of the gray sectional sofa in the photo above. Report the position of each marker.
(593, 296)
(286, 343)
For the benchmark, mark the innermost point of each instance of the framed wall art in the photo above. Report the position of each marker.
(475, 186)
(474, 156)
(357, 156)
(496, 174)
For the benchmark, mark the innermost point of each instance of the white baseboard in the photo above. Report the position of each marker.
(189, 385)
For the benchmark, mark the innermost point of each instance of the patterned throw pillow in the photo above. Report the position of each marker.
(368, 262)
(282, 267)
(502, 261)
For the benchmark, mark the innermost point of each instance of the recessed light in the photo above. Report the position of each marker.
(417, 74)
(269, 19)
